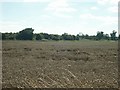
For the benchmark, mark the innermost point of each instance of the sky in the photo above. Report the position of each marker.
(59, 16)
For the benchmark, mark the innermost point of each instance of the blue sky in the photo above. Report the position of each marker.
(59, 16)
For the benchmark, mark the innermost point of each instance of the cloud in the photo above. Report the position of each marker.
(94, 8)
(106, 20)
(83, 1)
(60, 6)
(57, 29)
(36, 0)
(114, 1)
(73, 29)
(102, 1)
(8, 26)
(113, 9)
(10, 0)
(31, 0)
(25, 0)
(111, 2)
(12, 26)
(45, 16)
(104, 23)
(62, 15)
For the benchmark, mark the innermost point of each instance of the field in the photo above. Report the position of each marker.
(60, 64)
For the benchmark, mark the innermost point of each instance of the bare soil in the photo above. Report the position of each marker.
(60, 64)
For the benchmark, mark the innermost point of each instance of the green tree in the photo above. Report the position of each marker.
(39, 36)
(66, 36)
(54, 37)
(0, 36)
(113, 35)
(26, 34)
(77, 37)
(106, 37)
(45, 36)
(8, 36)
(81, 35)
(86, 36)
(99, 35)
(3, 36)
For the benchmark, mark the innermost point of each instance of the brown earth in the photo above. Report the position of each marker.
(60, 64)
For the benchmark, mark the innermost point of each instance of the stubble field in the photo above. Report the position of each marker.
(59, 64)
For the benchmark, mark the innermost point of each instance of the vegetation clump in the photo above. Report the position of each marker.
(27, 34)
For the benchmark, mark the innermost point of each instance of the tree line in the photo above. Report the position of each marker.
(27, 34)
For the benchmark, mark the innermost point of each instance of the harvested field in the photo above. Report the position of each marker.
(60, 64)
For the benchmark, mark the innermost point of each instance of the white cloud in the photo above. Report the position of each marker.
(60, 6)
(9, 26)
(10, 0)
(58, 29)
(12, 26)
(94, 8)
(25, 0)
(113, 9)
(36, 0)
(107, 20)
(45, 16)
(83, 1)
(102, 1)
(73, 29)
(103, 23)
(31, 0)
(62, 15)
(112, 2)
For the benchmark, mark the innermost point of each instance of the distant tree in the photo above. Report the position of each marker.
(45, 36)
(81, 35)
(66, 36)
(99, 35)
(0, 36)
(3, 36)
(26, 34)
(86, 36)
(106, 37)
(73, 37)
(8, 36)
(77, 37)
(11, 36)
(54, 37)
(39, 36)
(113, 35)
(93, 37)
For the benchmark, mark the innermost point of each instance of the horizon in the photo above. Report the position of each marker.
(60, 16)
(64, 33)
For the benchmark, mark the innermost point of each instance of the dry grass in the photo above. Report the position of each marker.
(61, 64)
